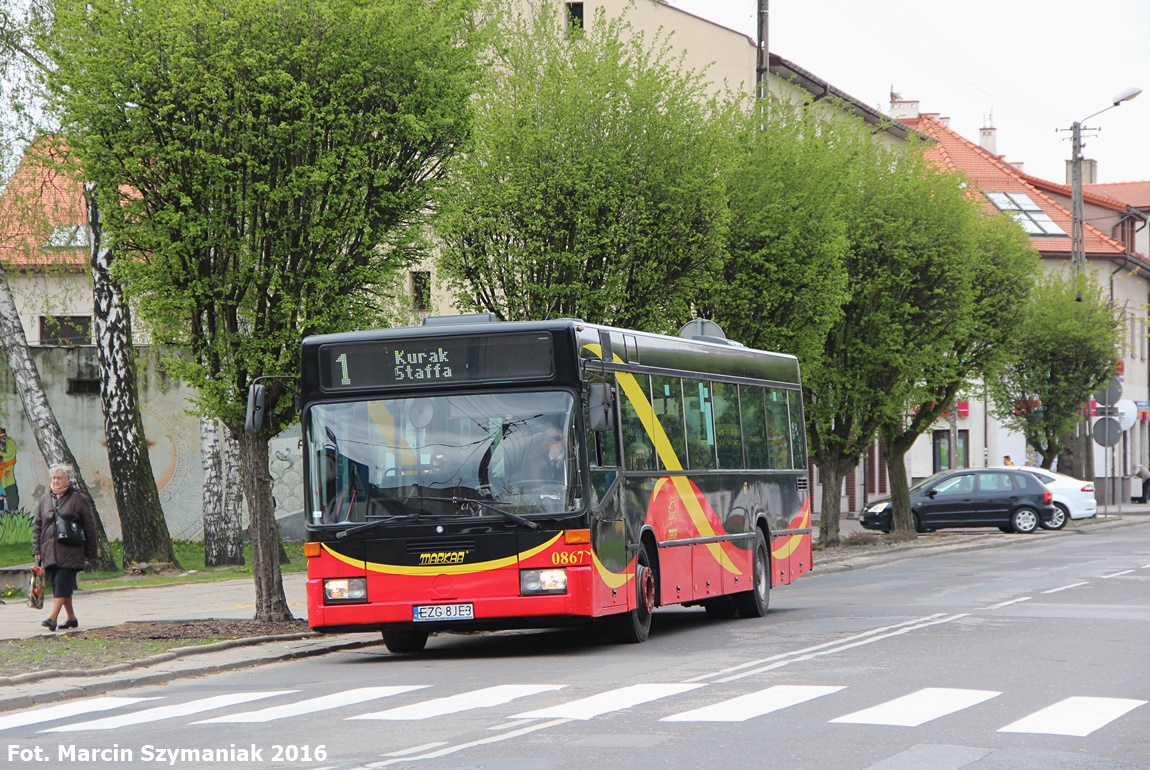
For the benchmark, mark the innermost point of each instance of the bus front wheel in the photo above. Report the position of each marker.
(405, 640)
(635, 626)
(754, 603)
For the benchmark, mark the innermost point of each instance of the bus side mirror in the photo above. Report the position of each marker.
(254, 420)
(600, 407)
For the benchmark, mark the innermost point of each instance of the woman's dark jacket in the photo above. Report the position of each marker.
(72, 506)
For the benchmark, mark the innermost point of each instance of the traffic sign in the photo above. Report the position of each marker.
(1110, 394)
(1107, 431)
(1127, 413)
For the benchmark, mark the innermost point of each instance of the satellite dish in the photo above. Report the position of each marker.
(702, 327)
(1127, 413)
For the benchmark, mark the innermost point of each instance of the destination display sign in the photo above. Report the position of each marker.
(440, 360)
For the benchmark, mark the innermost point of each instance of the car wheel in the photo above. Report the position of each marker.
(1058, 519)
(405, 640)
(635, 626)
(918, 527)
(756, 602)
(1024, 520)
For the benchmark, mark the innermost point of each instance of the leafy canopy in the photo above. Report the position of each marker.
(264, 160)
(1064, 348)
(591, 188)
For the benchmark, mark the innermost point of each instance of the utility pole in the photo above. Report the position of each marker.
(763, 69)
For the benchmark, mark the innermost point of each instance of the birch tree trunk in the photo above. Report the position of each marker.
(271, 603)
(142, 524)
(233, 494)
(223, 541)
(49, 438)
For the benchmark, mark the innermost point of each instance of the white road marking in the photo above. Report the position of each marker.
(1074, 716)
(416, 749)
(1117, 574)
(807, 650)
(832, 650)
(918, 707)
(755, 704)
(481, 742)
(322, 703)
(1007, 604)
(65, 710)
(477, 699)
(1065, 588)
(168, 712)
(612, 700)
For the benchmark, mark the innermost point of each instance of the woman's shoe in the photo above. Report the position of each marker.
(49, 624)
(73, 623)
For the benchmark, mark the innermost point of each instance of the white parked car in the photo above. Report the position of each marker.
(1073, 498)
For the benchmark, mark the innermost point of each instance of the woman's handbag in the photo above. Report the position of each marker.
(36, 587)
(69, 532)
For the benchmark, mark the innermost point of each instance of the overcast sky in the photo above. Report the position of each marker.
(1028, 67)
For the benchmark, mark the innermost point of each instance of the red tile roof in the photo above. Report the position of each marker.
(1136, 194)
(43, 194)
(990, 173)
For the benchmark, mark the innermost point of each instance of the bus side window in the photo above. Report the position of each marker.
(778, 436)
(640, 453)
(798, 430)
(700, 428)
(667, 400)
(728, 434)
(754, 426)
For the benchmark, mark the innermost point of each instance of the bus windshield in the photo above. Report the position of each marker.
(443, 456)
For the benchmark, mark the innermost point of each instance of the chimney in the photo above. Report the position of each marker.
(903, 108)
(987, 139)
(1089, 171)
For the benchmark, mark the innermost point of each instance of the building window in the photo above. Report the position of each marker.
(575, 15)
(942, 450)
(69, 237)
(1026, 212)
(65, 330)
(421, 289)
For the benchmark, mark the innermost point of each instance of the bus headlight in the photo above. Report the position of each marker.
(345, 590)
(542, 581)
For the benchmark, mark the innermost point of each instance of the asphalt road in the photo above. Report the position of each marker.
(1032, 655)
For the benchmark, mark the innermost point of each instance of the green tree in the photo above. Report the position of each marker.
(264, 160)
(997, 263)
(1064, 348)
(784, 280)
(591, 189)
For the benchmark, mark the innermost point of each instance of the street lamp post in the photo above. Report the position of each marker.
(1078, 234)
(1077, 227)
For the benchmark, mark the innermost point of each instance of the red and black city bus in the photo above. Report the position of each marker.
(481, 475)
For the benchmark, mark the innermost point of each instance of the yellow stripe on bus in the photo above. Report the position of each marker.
(443, 569)
(670, 461)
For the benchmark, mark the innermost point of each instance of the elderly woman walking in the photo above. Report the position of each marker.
(62, 561)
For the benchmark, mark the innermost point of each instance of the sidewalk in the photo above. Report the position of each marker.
(235, 599)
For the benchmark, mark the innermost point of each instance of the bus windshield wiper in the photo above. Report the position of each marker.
(365, 526)
(463, 502)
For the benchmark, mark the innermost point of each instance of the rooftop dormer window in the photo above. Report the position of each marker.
(1026, 212)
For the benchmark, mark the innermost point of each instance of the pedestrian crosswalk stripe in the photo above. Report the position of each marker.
(612, 700)
(756, 704)
(918, 707)
(65, 710)
(168, 712)
(1076, 717)
(477, 699)
(312, 705)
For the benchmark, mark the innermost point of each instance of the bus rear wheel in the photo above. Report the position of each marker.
(401, 640)
(754, 603)
(635, 626)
